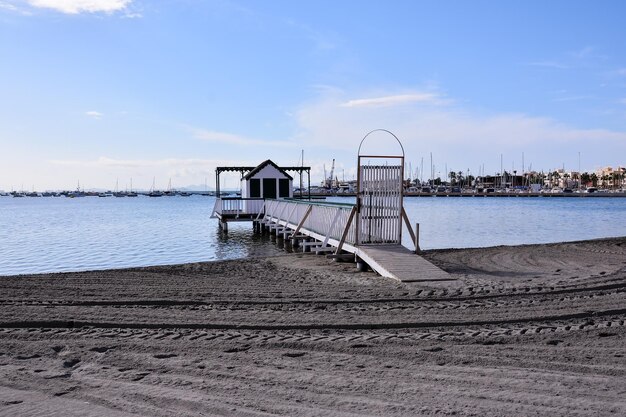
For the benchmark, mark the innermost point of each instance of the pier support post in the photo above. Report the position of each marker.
(361, 265)
(280, 242)
(417, 238)
(287, 244)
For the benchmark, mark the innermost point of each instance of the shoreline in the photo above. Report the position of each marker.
(279, 254)
(523, 330)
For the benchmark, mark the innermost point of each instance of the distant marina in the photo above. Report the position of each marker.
(321, 193)
(605, 182)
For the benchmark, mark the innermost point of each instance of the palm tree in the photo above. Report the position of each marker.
(585, 178)
(452, 176)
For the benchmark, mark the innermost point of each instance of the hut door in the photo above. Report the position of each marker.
(269, 187)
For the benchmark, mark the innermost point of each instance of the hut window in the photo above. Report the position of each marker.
(283, 187)
(255, 188)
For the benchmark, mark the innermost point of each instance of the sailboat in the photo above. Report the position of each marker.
(169, 192)
(77, 193)
(131, 193)
(153, 192)
(206, 189)
(117, 192)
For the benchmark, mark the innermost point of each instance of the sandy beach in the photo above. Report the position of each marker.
(524, 330)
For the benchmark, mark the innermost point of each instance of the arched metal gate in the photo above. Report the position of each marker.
(379, 196)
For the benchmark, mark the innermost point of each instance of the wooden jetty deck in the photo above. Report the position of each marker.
(398, 262)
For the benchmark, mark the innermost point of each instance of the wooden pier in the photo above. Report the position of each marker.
(368, 232)
(331, 229)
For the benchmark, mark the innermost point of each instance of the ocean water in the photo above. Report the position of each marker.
(62, 234)
(478, 222)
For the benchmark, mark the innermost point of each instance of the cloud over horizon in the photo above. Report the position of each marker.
(233, 139)
(459, 134)
(94, 114)
(187, 171)
(394, 100)
(81, 6)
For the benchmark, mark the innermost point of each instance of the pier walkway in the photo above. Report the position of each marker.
(330, 228)
(368, 232)
(398, 262)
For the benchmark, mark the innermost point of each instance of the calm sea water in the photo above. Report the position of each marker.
(62, 234)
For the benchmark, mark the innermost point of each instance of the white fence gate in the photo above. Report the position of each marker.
(379, 197)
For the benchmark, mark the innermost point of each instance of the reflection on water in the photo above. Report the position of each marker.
(241, 242)
(62, 234)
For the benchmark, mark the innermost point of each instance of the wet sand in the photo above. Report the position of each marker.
(525, 330)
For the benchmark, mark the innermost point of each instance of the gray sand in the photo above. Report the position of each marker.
(526, 330)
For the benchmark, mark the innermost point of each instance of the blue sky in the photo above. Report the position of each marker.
(96, 90)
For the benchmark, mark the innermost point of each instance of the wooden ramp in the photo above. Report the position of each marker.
(398, 262)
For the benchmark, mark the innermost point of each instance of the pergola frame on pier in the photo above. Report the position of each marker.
(245, 170)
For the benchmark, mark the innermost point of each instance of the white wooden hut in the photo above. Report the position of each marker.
(267, 180)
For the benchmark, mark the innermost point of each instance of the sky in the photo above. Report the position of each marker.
(102, 91)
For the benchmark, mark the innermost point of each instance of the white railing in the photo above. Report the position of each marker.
(334, 224)
(238, 206)
(329, 220)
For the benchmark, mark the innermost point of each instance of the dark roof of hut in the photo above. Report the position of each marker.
(263, 165)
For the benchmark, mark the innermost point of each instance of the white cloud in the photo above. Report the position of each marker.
(102, 171)
(464, 137)
(8, 6)
(132, 15)
(572, 98)
(81, 6)
(232, 139)
(548, 64)
(107, 162)
(394, 100)
(583, 52)
(94, 114)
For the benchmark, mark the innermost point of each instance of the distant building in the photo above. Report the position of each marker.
(610, 177)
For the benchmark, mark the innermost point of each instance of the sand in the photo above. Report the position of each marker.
(525, 330)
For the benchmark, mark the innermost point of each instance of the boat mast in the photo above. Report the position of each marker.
(301, 165)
